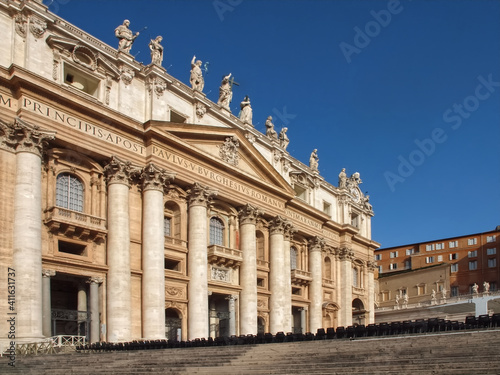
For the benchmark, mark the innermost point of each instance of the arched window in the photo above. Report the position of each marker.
(69, 192)
(328, 268)
(261, 254)
(216, 231)
(355, 275)
(293, 258)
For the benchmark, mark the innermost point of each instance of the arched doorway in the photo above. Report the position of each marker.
(358, 312)
(173, 325)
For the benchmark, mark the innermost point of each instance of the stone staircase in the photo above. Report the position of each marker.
(463, 352)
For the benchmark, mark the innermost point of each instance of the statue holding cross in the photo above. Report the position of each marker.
(226, 91)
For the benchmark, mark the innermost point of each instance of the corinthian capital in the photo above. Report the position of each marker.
(289, 230)
(22, 136)
(154, 178)
(316, 243)
(119, 172)
(345, 253)
(279, 225)
(200, 195)
(249, 214)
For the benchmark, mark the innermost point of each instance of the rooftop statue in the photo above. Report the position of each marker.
(126, 37)
(342, 179)
(156, 50)
(196, 78)
(314, 160)
(225, 92)
(246, 110)
(284, 141)
(270, 132)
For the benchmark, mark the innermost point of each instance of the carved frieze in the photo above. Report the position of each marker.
(229, 151)
(85, 57)
(174, 291)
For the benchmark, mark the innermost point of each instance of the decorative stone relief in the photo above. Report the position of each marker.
(200, 195)
(249, 214)
(174, 291)
(250, 137)
(372, 266)
(95, 280)
(21, 25)
(316, 243)
(22, 136)
(118, 171)
(229, 150)
(56, 63)
(37, 26)
(127, 75)
(48, 273)
(85, 57)
(109, 84)
(220, 274)
(200, 110)
(159, 87)
(345, 253)
(154, 178)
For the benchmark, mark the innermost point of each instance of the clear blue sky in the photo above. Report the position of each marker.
(406, 93)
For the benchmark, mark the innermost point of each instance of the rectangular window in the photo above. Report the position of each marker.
(473, 265)
(454, 291)
(81, 81)
(490, 238)
(454, 256)
(429, 247)
(378, 256)
(454, 267)
(72, 248)
(421, 289)
(393, 266)
(440, 246)
(453, 244)
(172, 264)
(407, 264)
(326, 207)
(440, 258)
(493, 286)
(472, 241)
(491, 251)
(429, 259)
(409, 251)
(260, 282)
(492, 262)
(379, 269)
(472, 254)
(394, 254)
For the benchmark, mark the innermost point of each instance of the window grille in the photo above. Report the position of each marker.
(69, 192)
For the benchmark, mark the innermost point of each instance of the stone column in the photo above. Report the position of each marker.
(118, 174)
(154, 181)
(277, 283)
(95, 322)
(316, 286)
(232, 315)
(199, 197)
(46, 302)
(29, 142)
(370, 290)
(248, 270)
(345, 256)
(303, 320)
(287, 276)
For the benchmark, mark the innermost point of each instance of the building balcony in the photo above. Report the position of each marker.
(223, 256)
(263, 264)
(300, 277)
(75, 224)
(175, 241)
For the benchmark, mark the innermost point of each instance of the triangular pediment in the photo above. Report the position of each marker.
(227, 147)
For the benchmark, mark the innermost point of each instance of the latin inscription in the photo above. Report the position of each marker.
(214, 176)
(296, 216)
(81, 125)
